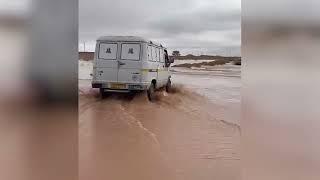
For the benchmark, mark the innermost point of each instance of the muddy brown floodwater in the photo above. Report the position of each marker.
(177, 137)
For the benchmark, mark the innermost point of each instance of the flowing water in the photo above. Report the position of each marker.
(185, 134)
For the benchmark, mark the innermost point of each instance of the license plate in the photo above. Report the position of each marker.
(118, 86)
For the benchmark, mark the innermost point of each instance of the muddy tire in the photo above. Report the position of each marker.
(103, 94)
(168, 86)
(151, 93)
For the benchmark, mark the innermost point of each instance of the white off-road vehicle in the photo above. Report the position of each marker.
(130, 63)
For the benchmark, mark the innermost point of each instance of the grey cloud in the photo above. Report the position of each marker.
(197, 22)
(179, 24)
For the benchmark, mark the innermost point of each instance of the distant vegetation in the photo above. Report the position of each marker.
(176, 53)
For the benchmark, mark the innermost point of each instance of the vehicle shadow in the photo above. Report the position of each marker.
(160, 94)
(127, 97)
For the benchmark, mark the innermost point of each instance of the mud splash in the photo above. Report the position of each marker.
(177, 137)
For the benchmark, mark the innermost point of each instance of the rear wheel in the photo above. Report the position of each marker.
(168, 86)
(151, 92)
(103, 94)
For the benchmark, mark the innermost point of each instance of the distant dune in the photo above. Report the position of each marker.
(216, 60)
(207, 57)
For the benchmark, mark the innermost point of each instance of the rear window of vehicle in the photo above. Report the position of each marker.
(108, 51)
(130, 52)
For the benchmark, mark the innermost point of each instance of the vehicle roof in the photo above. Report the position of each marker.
(126, 39)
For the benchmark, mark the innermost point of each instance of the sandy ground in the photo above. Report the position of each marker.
(188, 134)
(177, 61)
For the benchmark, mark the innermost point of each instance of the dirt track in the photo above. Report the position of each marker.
(178, 137)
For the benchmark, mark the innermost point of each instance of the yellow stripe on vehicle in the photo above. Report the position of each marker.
(149, 70)
(153, 70)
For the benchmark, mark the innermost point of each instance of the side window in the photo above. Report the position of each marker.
(158, 53)
(130, 52)
(161, 56)
(149, 52)
(108, 51)
(154, 54)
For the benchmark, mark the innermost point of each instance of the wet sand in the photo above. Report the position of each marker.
(178, 137)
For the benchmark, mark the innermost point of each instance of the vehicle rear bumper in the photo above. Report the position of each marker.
(107, 86)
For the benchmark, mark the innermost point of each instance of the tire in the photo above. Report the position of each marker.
(102, 93)
(151, 93)
(168, 86)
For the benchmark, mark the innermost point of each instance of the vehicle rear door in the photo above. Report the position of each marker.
(130, 62)
(106, 61)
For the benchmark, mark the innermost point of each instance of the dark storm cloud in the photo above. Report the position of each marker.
(179, 24)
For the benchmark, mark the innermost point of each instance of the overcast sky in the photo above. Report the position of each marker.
(191, 26)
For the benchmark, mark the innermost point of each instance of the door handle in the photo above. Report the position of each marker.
(121, 63)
